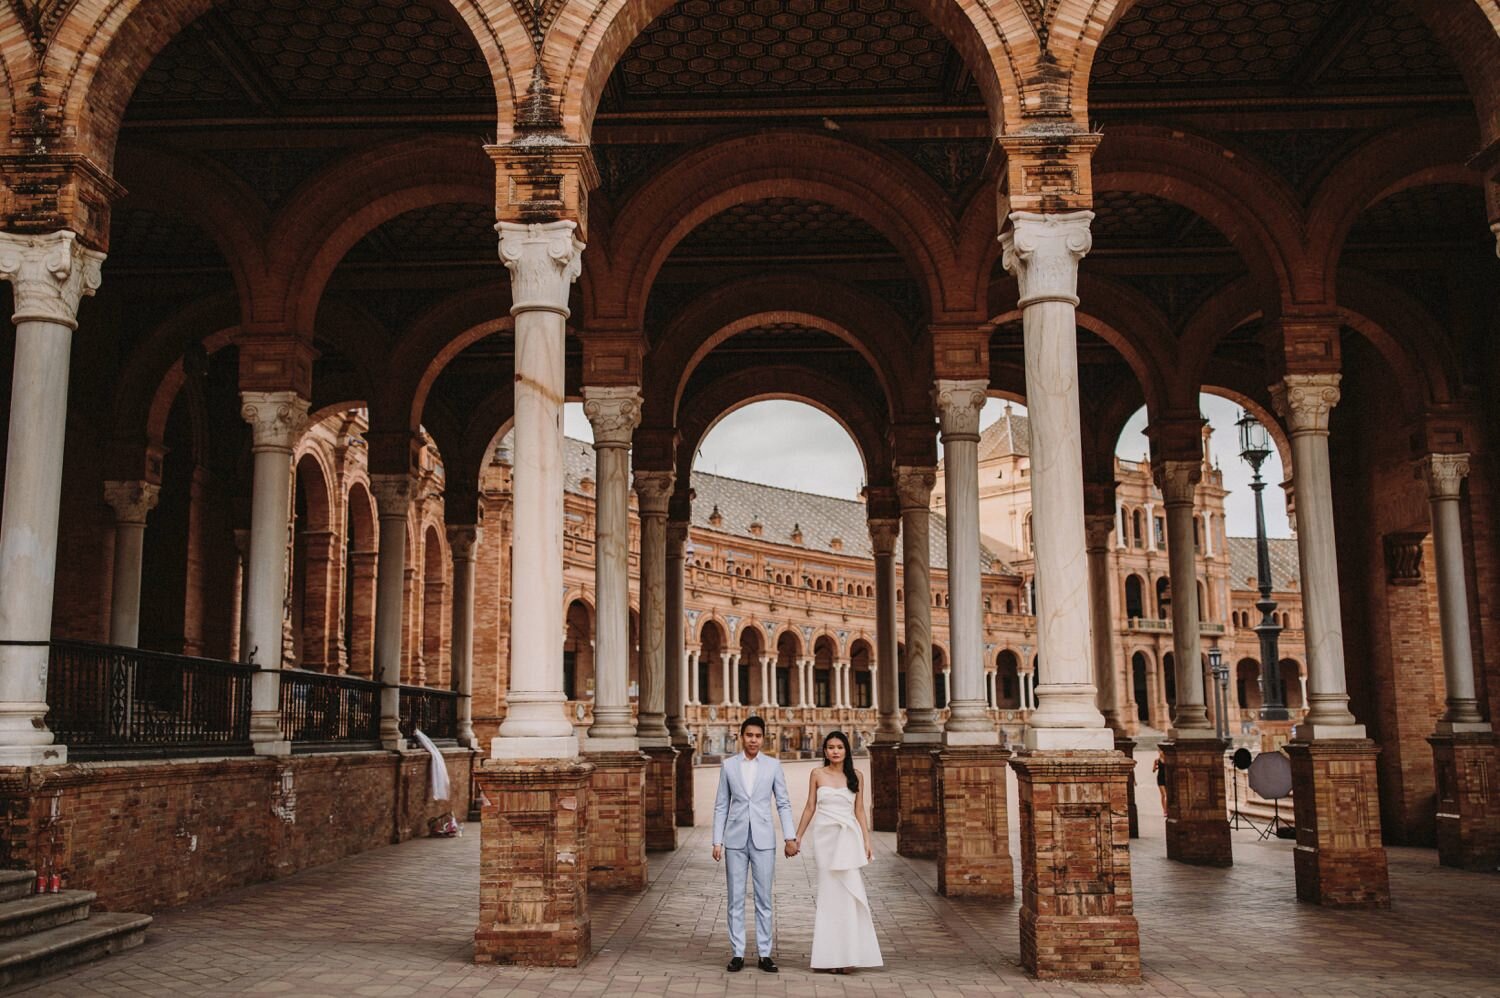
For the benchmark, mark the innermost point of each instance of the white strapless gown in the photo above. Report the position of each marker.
(843, 932)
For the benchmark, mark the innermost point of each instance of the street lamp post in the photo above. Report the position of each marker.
(1255, 447)
(1221, 692)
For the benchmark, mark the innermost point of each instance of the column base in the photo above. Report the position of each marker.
(885, 784)
(918, 821)
(1197, 818)
(684, 794)
(26, 756)
(1339, 859)
(974, 846)
(533, 883)
(1468, 800)
(661, 798)
(1125, 745)
(1077, 911)
(617, 821)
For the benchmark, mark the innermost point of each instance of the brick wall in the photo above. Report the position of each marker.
(148, 836)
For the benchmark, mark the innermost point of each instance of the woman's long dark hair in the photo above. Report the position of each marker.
(849, 773)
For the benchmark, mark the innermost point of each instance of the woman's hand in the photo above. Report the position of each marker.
(869, 853)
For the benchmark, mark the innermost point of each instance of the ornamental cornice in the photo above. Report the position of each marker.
(544, 259)
(613, 413)
(50, 274)
(463, 538)
(1178, 480)
(958, 404)
(1444, 474)
(914, 485)
(1306, 400)
(393, 495)
(1043, 252)
(653, 491)
(276, 419)
(132, 500)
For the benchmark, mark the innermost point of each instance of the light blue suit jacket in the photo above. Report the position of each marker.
(742, 815)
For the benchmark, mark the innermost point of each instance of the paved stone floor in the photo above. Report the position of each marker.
(398, 921)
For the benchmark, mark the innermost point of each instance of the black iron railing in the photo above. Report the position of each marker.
(434, 711)
(323, 711)
(111, 702)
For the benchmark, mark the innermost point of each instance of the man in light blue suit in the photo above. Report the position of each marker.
(743, 831)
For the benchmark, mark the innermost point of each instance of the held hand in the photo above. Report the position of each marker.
(791, 848)
(718, 853)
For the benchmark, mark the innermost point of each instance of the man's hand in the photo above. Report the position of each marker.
(791, 848)
(718, 853)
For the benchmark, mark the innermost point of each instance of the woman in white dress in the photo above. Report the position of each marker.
(843, 931)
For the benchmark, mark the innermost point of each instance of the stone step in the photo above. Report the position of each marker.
(43, 911)
(56, 950)
(16, 884)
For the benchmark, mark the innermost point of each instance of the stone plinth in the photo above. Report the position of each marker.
(1077, 906)
(533, 882)
(1339, 858)
(1468, 805)
(918, 821)
(661, 799)
(684, 790)
(1126, 746)
(1197, 819)
(974, 846)
(885, 784)
(617, 821)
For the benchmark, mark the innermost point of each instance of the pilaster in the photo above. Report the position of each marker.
(1339, 860)
(1197, 826)
(974, 843)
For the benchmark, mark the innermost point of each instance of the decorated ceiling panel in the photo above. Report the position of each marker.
(1129, 220)
(787, 226)
(1432, 214)
(437, 232)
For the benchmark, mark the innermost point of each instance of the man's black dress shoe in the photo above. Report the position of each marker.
(735, 965)
(769, 965)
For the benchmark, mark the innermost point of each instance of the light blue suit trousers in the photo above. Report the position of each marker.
(761, 864)
(743, 826)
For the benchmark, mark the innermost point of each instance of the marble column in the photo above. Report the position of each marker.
(614, 413)
(692, 678)
(49, 275)
(276, 421)
(958, 404)
(653, 490)
(463, 540)
(1208, 533)
(1043, 252)
(1178, 481)
(919, 817)
(392, 503)
(1463, 746)
(1097, 525)
(728, 698)
(677, 685)
(765, 687)
(543, 260)
(131, 501)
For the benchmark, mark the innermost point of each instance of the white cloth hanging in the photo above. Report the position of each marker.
(439, 770)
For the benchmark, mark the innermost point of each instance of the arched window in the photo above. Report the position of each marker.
(1163, 598)
(1138, 523)
(1026, 540)
(1135, 601)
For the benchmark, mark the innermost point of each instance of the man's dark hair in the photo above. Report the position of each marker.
(753, 721)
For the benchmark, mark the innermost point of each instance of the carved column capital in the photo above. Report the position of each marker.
(276, 419)
(463, 538)
(50, 274)
(914, 485)
(653, 491)
(393, 495)
(1403, 558)
(1306, 400)
(1178, 480)
(1043, 252)
(131, 501)
(1096, 529)
(543, 259)
(883, 534)
(677, 535)
(613, 412)
(958, 404)
(1444, 474)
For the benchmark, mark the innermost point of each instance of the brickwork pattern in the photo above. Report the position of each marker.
(533, 878)
(1077, 913)
(885, 788)
(661, 798)
(1126, 746)
(1468, 811)
(617, 814)
(1340, 861)
(918, 823)
(148, 836)
(1197, 829)
(974, 846)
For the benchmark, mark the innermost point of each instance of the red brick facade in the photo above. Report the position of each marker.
(885, 788)
(1339, 859)
(919, 821)
(1197, 829)
(617, 850)
(1468, 808)
(974, 843)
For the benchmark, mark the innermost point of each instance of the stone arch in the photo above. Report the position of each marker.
(1412, 343)
(1135, 592)
(995, 45)
(1008, 680)
(578, 647)
(888, 193)
(92, 71)
(314, 562)
(430, 344)
(359, 580)
(861, 678)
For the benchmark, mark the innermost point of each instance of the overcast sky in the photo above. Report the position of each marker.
(793, 445)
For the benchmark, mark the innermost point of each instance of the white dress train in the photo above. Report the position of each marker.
(843, 931)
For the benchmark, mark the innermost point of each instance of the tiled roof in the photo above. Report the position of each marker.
(820, 518)
(1006, 436)
(1286, 573)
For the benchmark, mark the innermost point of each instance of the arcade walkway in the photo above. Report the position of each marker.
(398, 921)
